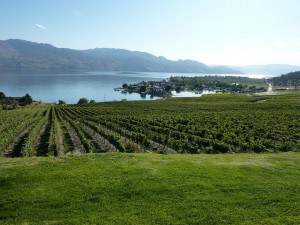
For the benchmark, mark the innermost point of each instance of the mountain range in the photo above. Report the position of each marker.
(21, 54)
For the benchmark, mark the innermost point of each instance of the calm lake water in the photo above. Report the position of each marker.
(71, 86)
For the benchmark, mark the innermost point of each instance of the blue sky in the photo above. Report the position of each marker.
(227, 32)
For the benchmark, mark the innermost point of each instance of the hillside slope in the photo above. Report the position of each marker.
(24, 54)
(290, 79)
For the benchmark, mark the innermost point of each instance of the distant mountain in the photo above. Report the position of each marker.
(270, 69)
(18, 54)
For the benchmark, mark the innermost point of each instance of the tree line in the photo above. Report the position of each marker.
(13, 102)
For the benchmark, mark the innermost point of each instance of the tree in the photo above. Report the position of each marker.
(26, 100)
(168, 88)
(178, 89)
(92, 101)
(143, 88)
(83, 101)
(29, 98)
(125, 86)
(2, 96)
(61, 102)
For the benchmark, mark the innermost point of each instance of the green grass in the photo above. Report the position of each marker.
(151, 189)
(281, 92)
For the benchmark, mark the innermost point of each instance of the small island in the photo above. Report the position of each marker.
(216, 84)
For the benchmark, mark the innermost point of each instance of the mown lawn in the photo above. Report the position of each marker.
(116, 188)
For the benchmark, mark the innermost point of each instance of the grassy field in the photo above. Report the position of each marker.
(116, 188)
(281, 92)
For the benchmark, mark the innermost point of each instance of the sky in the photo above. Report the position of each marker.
(214, 32)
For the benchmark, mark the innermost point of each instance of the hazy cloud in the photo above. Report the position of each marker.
(41, 26)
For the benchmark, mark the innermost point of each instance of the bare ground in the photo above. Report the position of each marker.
(61, 146)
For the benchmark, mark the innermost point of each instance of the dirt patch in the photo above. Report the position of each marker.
(60, 141)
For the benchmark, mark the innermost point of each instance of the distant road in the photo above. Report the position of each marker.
(270, 88)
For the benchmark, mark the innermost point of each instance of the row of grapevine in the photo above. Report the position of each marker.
(239, 124)
(214, 124)
(132, 141)
(28, 144)
(112, 138)
(15, 124)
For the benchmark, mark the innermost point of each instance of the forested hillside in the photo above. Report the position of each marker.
(290, 79)
(19, 54)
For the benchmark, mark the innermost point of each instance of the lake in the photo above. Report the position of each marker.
(70, 86)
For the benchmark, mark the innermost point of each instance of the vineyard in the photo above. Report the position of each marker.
(210, 124)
